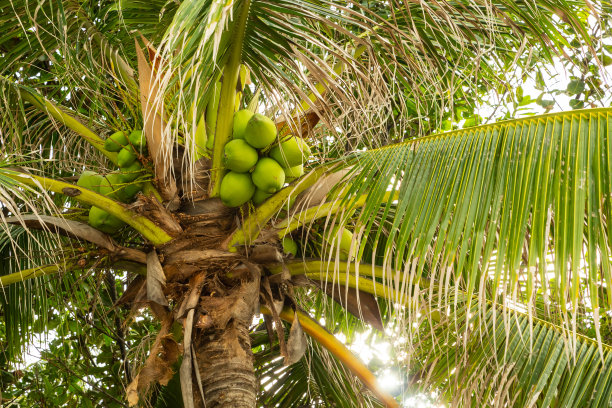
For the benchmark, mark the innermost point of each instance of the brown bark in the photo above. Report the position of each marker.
(220, 290)
(223, 353)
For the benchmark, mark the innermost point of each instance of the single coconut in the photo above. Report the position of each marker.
(104, 221)
(241, 118)
(126, 157)
(138, 140)
(112, 187)
(239, 156)
(90, 180)
(236, 189)
(294, 172)
(346, 240)
(130, 190)
(131, 172)
(115, 142)
(291, 153)
(268, 175)
(260, 131)
(289, 246)
(260, 196)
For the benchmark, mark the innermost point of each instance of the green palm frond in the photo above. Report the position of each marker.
(507, 193)
(72, 61)
(504, 360)
(316, 380)
(25, 304)
(410, 52)
(514, 213)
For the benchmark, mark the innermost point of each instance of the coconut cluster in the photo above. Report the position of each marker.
(259, 163)
(121, 185)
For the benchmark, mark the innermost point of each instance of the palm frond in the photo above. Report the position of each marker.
(416, 59)
(494, 203)
(24, 303)
(504, 359)
(496, 355)
(318, 379)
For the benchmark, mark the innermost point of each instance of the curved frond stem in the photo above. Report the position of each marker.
(311, 214)
(61, 116)
(225, 117)
(319, 267)
(145, 226)
(34, 273)
(46, 270)
(118, 64)
(254, 223)
(339, 350)
(318, 270)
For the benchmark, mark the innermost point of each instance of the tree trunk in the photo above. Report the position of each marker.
(226, 286)
(223, 350)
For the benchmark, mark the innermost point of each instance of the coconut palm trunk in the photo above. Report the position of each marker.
(224, 355)
(226, 293)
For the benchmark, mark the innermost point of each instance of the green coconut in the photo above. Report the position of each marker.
(291, 153)
(241, 118)
(239, 156)
(236, 189)
(126, 157)
(90, 180)
(112, 187)
(294, 172)
(289, 246)
(130, 190)
(131, 172)
(260, 196)
(104, 221)
(138, 140)
(268, 175)
(346, 240)
(116, 141)
(260, 131)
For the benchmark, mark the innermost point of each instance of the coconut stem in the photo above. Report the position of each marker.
(145, 226)
(225, 116)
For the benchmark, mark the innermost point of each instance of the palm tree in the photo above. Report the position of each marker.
(487, 248)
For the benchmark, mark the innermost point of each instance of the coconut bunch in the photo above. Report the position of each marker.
(259, 163)
(120, 185)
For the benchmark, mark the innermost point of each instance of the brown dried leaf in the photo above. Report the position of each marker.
(157, 367)
(158, 141)
(132, 392)
(129, 296)
(66, 227)
(156, 280)
(154, 58)
(191, 300)
(275, 307)
(296, 345)
(360, 304)
(186, 364)
(303, 123)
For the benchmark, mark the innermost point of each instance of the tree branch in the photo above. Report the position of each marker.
(331, 343)
(62, 116)
(145, 226)
(255, 222)
(225, 115)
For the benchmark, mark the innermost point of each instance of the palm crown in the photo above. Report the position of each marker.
(487, 248)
